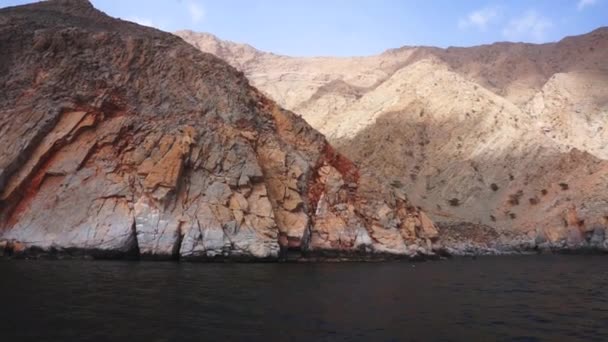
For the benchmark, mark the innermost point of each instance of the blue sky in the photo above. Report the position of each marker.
(364, 27)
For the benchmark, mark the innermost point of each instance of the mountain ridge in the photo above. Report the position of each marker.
(185, 32)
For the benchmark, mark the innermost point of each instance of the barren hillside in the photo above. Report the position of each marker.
(512, 136)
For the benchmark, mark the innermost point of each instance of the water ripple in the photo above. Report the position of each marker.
(534, 298)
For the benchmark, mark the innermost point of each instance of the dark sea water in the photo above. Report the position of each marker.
(520, 298)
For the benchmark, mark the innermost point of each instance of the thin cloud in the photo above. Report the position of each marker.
(197, 13)
(479, 19)
(530, 26)
(585, 3)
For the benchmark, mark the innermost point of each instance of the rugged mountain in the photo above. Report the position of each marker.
(509, 138)
(120, 139)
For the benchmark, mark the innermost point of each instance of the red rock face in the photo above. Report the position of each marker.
(123, 139)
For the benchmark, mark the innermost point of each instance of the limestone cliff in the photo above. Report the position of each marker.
(509, 138)
(119, 139)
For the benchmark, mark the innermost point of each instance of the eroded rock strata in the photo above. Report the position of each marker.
(121, 140)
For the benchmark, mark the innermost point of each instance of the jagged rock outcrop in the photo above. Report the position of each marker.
(124, 140)
(508, 137)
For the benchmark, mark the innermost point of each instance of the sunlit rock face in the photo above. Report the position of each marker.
(124, 140)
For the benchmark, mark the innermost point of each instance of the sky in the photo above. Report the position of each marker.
(363, 27)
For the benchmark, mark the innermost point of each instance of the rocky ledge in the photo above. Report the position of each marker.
(124, 141)
(468, 239)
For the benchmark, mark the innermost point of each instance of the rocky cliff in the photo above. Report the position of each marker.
(119, 140)
(503, 142)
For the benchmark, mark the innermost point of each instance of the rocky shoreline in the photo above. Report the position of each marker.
(13, 250)
(19, 250)
(458, 239)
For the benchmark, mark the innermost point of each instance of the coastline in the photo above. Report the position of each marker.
(12, 250)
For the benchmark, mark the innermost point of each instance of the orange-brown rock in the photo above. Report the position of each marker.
(124, 139)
